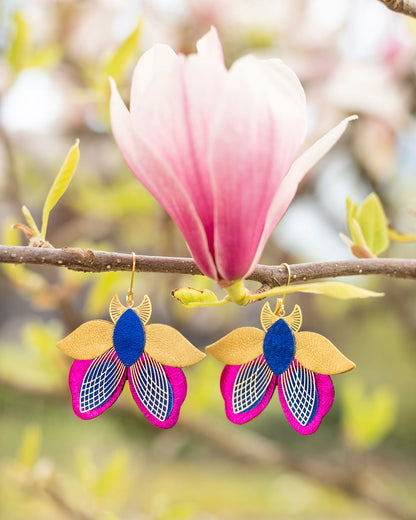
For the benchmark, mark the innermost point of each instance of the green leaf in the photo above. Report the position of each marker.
(367, 417)
(352, 209)
(104, 285)
(373, 223)
(119, 60)
(110, 477)
(340, 290)
(30, 221)
(396, 236)
(45, 57)
(367, 224)
(60, 184)
(18, 48)
(30, 446)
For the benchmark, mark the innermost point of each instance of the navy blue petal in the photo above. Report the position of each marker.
(129, 337)
(279, 347)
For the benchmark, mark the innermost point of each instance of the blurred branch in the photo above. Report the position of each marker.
(252, 447)
(407, 7)
(88, 260)
(248, 446)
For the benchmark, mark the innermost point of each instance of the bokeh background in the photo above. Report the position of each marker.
(352, 56)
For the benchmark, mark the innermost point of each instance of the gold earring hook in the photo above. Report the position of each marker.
(280, 307)
(130, 292)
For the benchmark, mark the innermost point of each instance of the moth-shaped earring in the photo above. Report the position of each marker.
(149, 356)
(298, 363)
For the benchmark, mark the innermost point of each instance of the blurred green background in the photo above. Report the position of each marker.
(352, 57)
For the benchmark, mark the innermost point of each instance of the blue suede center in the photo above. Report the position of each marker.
(128, 337)
(279, 347)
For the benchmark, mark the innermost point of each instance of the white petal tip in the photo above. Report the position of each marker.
(112, 82)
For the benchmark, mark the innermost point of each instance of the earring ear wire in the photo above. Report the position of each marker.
(130, 292)
(280, 304)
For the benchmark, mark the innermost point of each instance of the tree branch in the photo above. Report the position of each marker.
(88, 260)
(407, 7)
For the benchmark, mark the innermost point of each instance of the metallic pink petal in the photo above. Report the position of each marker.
(95, 384)
(209, 46)
(305, 397)
(287, 190)
(158, 390)
(258, 131)
(247, 389)
(157, 177)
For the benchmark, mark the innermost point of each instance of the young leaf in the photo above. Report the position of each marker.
(18, 50)
(367, 417)
(373, 223)
(118, 62)
(396, 236)
(352, 208)
(30, 447)
(30, 221)
(194, 298)
(60, 184)
(340, 290)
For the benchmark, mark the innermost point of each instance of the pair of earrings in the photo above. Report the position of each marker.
(151, 357)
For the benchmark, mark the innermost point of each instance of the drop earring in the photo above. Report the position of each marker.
(298, 363)
(149, 356)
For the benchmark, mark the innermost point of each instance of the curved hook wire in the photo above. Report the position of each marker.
(130, 292)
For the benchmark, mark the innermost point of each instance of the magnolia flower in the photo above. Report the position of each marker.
(217, 148)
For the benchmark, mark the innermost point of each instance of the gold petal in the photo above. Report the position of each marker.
(239, 346)
(166, 345)
(116, 308)
(318, 354)
(144, 310)
(294, 320)
(267, 317)
(89, 340)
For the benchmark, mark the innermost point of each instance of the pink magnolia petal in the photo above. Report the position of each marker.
(174, 118)
(287, 190)
(158, 179)
(258, 131)
(209, 46)
(159, 58)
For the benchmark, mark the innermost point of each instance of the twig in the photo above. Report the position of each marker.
(407, 7)
(88, 260)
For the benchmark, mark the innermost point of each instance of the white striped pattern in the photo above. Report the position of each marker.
(101, 379)
(152, 386)
(251, 384)
(299, 390)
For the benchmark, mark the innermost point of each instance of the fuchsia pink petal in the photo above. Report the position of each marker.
(158, 390)
(96, 381)
(299, 398)
(246, 389)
